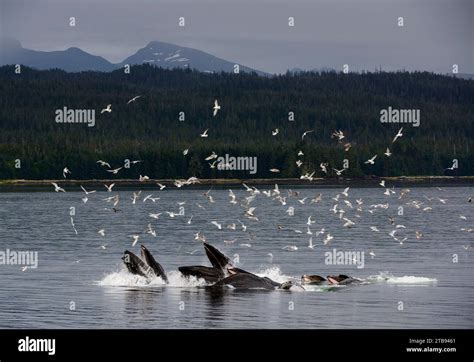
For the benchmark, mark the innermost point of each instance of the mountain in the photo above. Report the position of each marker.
(166, 55)
(70, 60)
(156, 53)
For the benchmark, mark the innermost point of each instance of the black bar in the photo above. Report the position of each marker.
(227, 345)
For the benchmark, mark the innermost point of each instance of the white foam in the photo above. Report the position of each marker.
(406, 279)
(123, 278)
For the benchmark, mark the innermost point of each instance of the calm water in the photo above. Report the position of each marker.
(435, 291)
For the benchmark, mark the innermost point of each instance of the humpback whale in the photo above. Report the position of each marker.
(312, 279)
(341, 279)
(147, 266)
(248, 280)
(221, 266)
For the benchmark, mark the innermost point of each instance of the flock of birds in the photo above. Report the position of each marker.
(347, 210)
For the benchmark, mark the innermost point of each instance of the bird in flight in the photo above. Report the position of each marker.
(305, 133)
(216, 108)
(107, 109)
(133, 99)
(103, 163)
(275, 132)
(398, 135)
(388, 153)
(371, 160)
(115, 171)
(204, 134)
(57, 188)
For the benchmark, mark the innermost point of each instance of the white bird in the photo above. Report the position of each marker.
(109, 187)
(388, 153)
(328, 239)
(57, 188)
(185, 152)
(155, 216)
(372, 254)
(135, 197)
(87, 192)
(135, 239)
(290, 248)
(232, 197)
(398, 135)
(274, 170)
(339, 172)
(189, 220)
(115, 171)
(275, 132)
(300, 153)
(85, 199)
(216, 108)
(66, 171)
(211, 157)
(374, 228)
(345, 192)
(382, 183)
(219, 226)
(143, 178)
(101, 232)
(311, 245)
(133, 99)
(161, 186)
(305, 133)
(310, 222)
(204, 134)
(103, 163)
(371, 160)
(73, 226)
(323, 167)
(298, 163)
(107, 109)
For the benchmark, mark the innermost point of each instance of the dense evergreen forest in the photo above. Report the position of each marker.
(149, 129)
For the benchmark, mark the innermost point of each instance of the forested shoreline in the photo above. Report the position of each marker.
(149, 129)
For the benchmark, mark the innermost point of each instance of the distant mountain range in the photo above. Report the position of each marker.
(157, 53)
(160, 54)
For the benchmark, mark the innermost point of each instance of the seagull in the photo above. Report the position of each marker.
(143, 178)
(219, 226)
(371, 160)
(135, 239)
(374, 228)
(101, 232)
(204, 134)
(300, 153)
(398, 135)
(155, 216)
(211, 157)
(107, 109)
(57, 188)
(388, 153)
(135, 196)
(305, 133)
(149, 197)
(109, 187)
(328, 239)
(339, 172)
(372, 254)
(115, 171)
(290, 248)
(73, 226)
(338, 134)
(216, 108)
(133, 99)
(451, 168)
(275, 132)
(103, 163)
(382, 183)
(418, 234)
(66, 171)
(161, 186)
(85, 199)
(185, 152)
(87, 192)
(232, 197)
(274, 170)
(345, 192)
(347, 146)
(311, 245)
(323, 167)
(299, 163)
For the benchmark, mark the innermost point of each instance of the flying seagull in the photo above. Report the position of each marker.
(398, 135)
(216, 108)
(107, 109)
(133, 99)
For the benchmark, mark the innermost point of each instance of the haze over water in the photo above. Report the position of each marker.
(436, 293)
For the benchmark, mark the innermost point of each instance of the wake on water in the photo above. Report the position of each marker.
(123, 278)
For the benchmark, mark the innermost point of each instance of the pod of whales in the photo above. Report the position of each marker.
(223, 273)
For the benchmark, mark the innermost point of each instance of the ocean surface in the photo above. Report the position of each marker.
(80, 281)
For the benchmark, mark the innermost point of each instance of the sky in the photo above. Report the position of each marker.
(327, 33)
